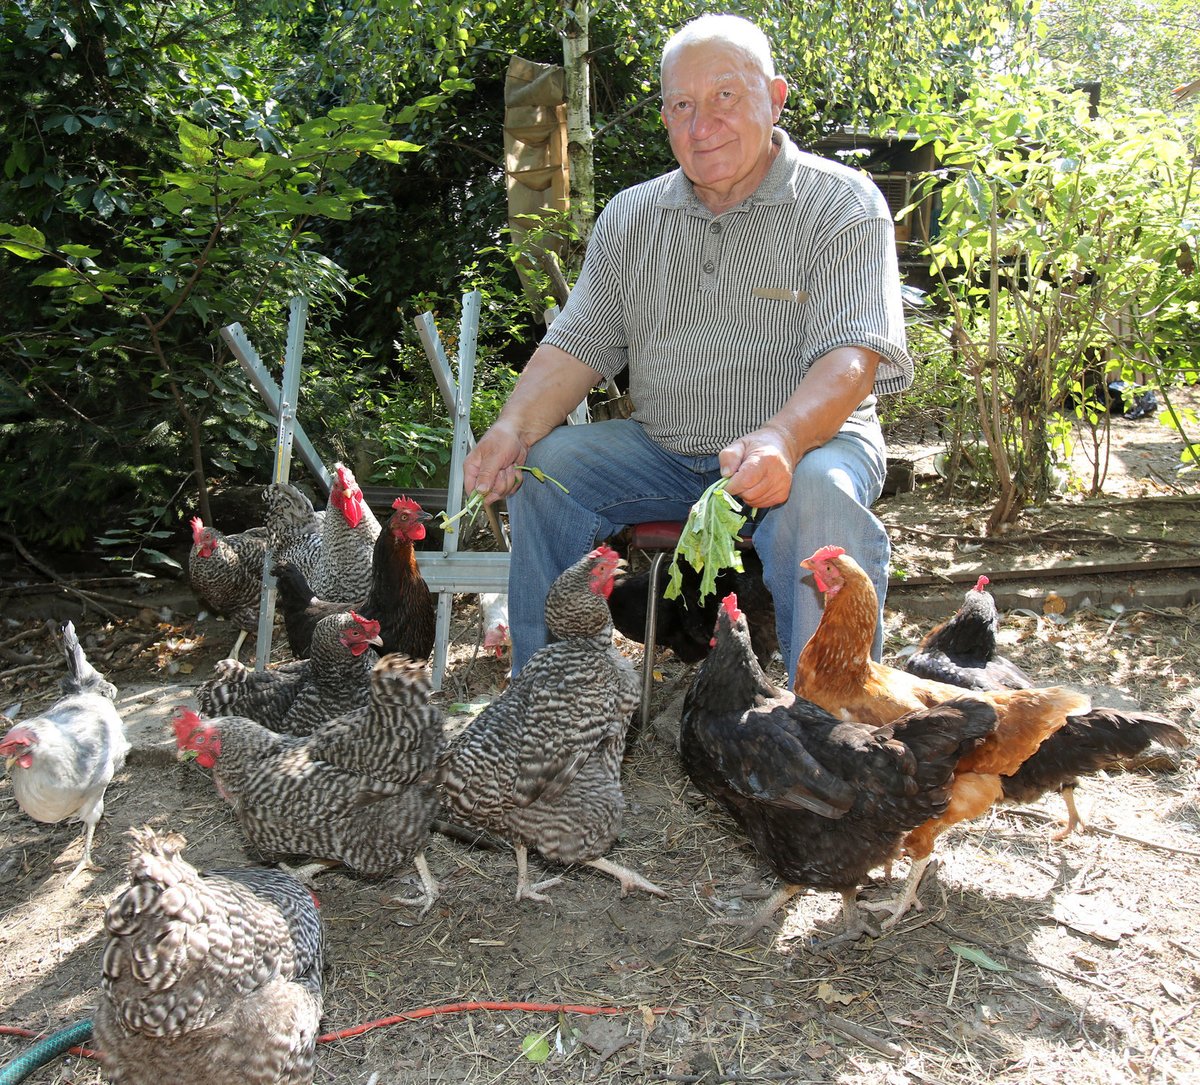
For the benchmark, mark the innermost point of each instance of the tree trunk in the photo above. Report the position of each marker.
(579, 117)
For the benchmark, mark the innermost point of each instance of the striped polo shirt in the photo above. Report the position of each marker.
(718, 317)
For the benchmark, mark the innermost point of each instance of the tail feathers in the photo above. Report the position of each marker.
(224, 688)
(1089, 742)
(81, 676)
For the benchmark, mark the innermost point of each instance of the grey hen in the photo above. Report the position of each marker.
(293, 527)
(360, 791)
(62, 761)
(541, 765)
(212, 977)
(298, 697)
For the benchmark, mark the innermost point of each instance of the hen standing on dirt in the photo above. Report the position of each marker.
(961, 652)
(298, 697)
(212, 977)
(62, 762)
(962, 649)
(360, 791)
(822, 800)
(541, 765)
(399, 598)
(226, 571)
(348, 537)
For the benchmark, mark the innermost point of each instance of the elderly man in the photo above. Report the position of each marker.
(753, 294)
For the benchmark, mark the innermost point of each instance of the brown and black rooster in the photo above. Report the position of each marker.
(398, 600)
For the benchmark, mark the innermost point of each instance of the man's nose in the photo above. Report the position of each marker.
(703, 122)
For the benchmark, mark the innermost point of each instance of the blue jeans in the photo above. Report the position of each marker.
(617, 476)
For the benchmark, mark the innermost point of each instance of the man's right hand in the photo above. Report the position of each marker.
(491, 466)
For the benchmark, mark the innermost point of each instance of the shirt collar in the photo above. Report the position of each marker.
(779, 185)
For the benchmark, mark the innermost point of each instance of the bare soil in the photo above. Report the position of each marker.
(1033, 961)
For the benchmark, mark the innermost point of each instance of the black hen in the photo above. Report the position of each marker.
(823, 800)
(961, 651)
(685, 624)
(398, 600)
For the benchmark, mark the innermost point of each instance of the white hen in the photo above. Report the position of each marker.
(62, 761)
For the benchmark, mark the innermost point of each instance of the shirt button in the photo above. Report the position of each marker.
(709, 268)
(714, 228)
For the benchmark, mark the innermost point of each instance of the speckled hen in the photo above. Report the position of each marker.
(541, 765)
(361, 791)
(293, 527)
(348, 535)
(210, 977)
(298, 697)
(226, 571)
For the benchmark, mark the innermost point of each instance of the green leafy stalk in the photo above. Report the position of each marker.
(708, 541)
(474, 501)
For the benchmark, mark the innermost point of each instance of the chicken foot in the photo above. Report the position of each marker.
(629, 879)
(1074, 818)
(525, 891)
(899, 906)
(765, 916)
(308, 871)
(429, 889)
(86, 862)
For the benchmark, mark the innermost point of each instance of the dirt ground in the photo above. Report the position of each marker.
(1033, 960)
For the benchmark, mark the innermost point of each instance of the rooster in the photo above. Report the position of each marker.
(212, 977)
(226, 572)
(343, 569)
(360, 791)
(823, 800)
(835, 671)
(62, 761)
(293, 527)
(296, 698)
(685, 624)
(541, 765)
(399, 598)
(962, 650)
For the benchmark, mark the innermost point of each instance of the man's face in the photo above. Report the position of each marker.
(719, 109)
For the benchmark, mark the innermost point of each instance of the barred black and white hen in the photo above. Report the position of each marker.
(541, 765)
(298, 697)
(226, 571)
(293, 527)
(210, 977)
(361, 791)
(348, 535)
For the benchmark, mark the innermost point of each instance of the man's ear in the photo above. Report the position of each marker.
(779, 91)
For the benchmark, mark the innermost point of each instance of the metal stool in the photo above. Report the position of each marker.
(658, 539)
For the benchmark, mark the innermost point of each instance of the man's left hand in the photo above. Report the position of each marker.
(759, 467)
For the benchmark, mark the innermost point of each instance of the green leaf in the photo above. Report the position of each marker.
(535, 1048)
(59, 276)
(977, 956)
(708, 542)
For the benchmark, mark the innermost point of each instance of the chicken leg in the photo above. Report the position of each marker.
(629, 879)
(429, 886)
(899, 906)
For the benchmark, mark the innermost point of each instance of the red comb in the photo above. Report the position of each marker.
(730, 605)
(828, 553)
(407, 503)
(981, 583)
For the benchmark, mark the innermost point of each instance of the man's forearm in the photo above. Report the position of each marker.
(551, 386)
(831, 390)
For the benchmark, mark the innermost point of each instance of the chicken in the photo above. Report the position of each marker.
(361, 791)
(685, 624)
(399, 598)
(62, 761)
(348, 535)
(208, 977)
(226, 572)
(835, 670)
(541, 765)
(493, 611)
(962, 650)
(293, 527)
(298, 697)
(823, 800)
